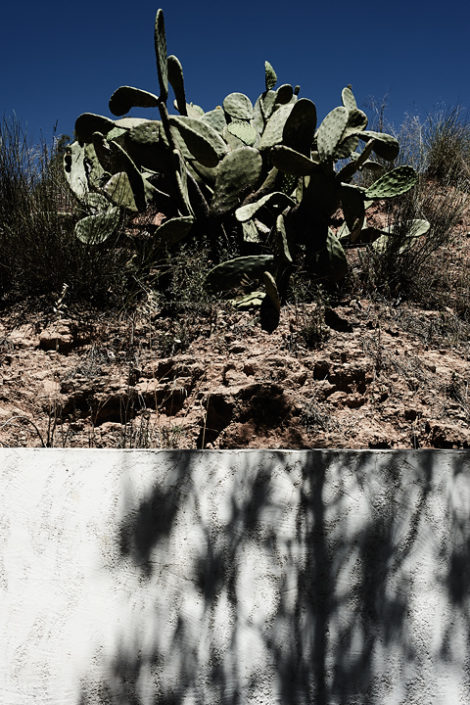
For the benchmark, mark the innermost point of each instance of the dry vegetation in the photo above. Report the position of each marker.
(97, 351)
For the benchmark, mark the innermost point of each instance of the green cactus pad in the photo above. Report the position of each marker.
(393, 183)
(258, 120)
(346, 147)
(194, 111)
(95, 172)
(271, 289)
(331, 262)
(245, 213)
(232, 141)
(119, 190)
(88, 123)
(108, 159)
(384, 146)
(251, 300)
(397, 243)
(238, 106)
(352, 202)
(147, 133)
(207, 174)
(174, 230)
(161, 54)
(244, 131)
(96, 203)
(348, 171)
(267, 103)
(331, 131)
(235, 174)
(250, 232)
(417, 227)
(204, 143)
(216, 119)
(114, 159)
(181, 177)
(284, 94)
(117, 134)
(230, 273)
(372, 166)
(357, 120)
(147, 145)
(273, 132)
(176, 79)
(299, 129)
(129, 122)
(127, 97)
(74, 168)
(280, 240)
(410, 229)
(95, 229)
(291, 161)
(270, 78)
(348, 99)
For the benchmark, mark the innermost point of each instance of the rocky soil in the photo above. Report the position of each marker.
(359, 375)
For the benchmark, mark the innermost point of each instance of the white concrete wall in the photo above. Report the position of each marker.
(251, 577)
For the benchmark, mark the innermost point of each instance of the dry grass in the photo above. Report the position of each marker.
(39, 253)
(431, 270)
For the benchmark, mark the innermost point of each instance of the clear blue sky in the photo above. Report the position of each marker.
(59, 59)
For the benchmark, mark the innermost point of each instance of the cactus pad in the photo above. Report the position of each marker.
(161, 54)
(299, 129)
(281, 242)
(291, 161)
(95, 229)
(238, 106)
(127, 97)
(270, 78)
(216, 119)
(384, 146)
(352, 201)
(244, 131)
(88, 123)
(331, 131)
(394, 183)
(273, 132)
(284, 94)
(245, 213)
(176, 79)
(230, 273)
(235, 174)
(271, 289)
(74, 168)
(348, 99)
(204, 143)
(173, 230)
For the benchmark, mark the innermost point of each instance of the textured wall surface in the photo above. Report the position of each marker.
(257, 577)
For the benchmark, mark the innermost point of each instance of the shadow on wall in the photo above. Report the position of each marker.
(316, 577)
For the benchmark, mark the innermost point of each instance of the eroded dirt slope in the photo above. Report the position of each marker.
(359, 375)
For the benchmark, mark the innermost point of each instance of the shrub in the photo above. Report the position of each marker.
(39, 252)
(419, 268)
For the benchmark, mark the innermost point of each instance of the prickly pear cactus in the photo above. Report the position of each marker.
(261, 177)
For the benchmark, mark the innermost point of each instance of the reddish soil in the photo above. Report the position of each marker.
(377, 376)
